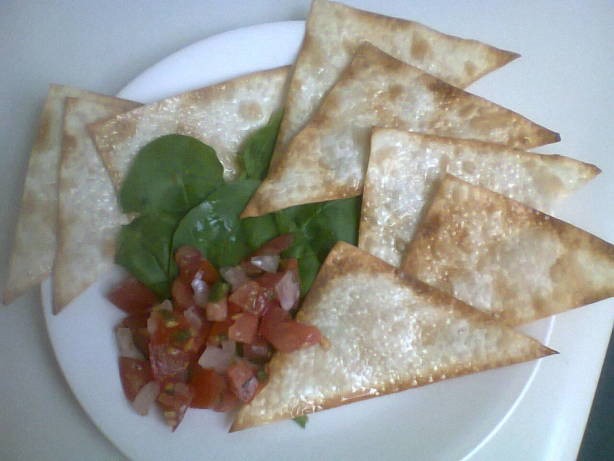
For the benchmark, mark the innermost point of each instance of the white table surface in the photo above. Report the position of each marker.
(101, 46)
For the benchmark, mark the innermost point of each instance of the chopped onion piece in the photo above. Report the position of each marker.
(234, 275)
(125, 344)
(229, 347)
(193, 318)
(201, 290)
(216, 358)
(152, 324)
(146, 397)
(268, 263)
(217, 311)
(288, 291)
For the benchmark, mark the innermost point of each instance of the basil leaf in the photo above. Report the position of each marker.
(255, 155)
(214, 226)
(171, 174)
(144, 249)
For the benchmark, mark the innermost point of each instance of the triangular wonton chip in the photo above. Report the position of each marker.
(404, 169)
(334, 32)
(419, 335)
(505, 258)
(221, 116)
(34, 245)
(88, 213)
(328, 158)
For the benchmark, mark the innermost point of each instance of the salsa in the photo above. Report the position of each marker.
(209, 345)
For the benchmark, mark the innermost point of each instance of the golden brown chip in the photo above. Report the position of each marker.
(34, 244)
(221, 116)
(88, 213)
(328, 158)
(505, 258)
(418, 336)
(333, 33)
(404, 169)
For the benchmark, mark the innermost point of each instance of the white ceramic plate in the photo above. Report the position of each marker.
(444, 421)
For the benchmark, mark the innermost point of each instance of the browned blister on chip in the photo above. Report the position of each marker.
(404, 169)
(418, 336)
(222, 116)
(334, 32)
(328, 158)
(88, 213)
(505, 258)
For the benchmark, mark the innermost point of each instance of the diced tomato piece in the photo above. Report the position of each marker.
(134, 374)
(233, 309)
(269, 280)
(291, 335)
(244, 328)
(228, 402)
(245, 295)
(208, 272)
(285, 334)
(208, 387)
(175, 398)
(258, 351)
(183, 330)
(211, 390)
(253, 298)
(191, 264)
(186, 256)
(273, 317)
(276, 245)
(289, 264)
(137, 323)
(132, 296)
(243, 381)
(169, 356)
(168, 362)
(134, 321)
(218, 332)
(183, 296)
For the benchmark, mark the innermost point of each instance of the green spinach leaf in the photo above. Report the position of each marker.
(144, 249)
(260, 230)
(308, 262)
(316, 228)
(255, 155)
(324, 224)
(171, 174)
(177, 182)
(301, 420)
(214, 226)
